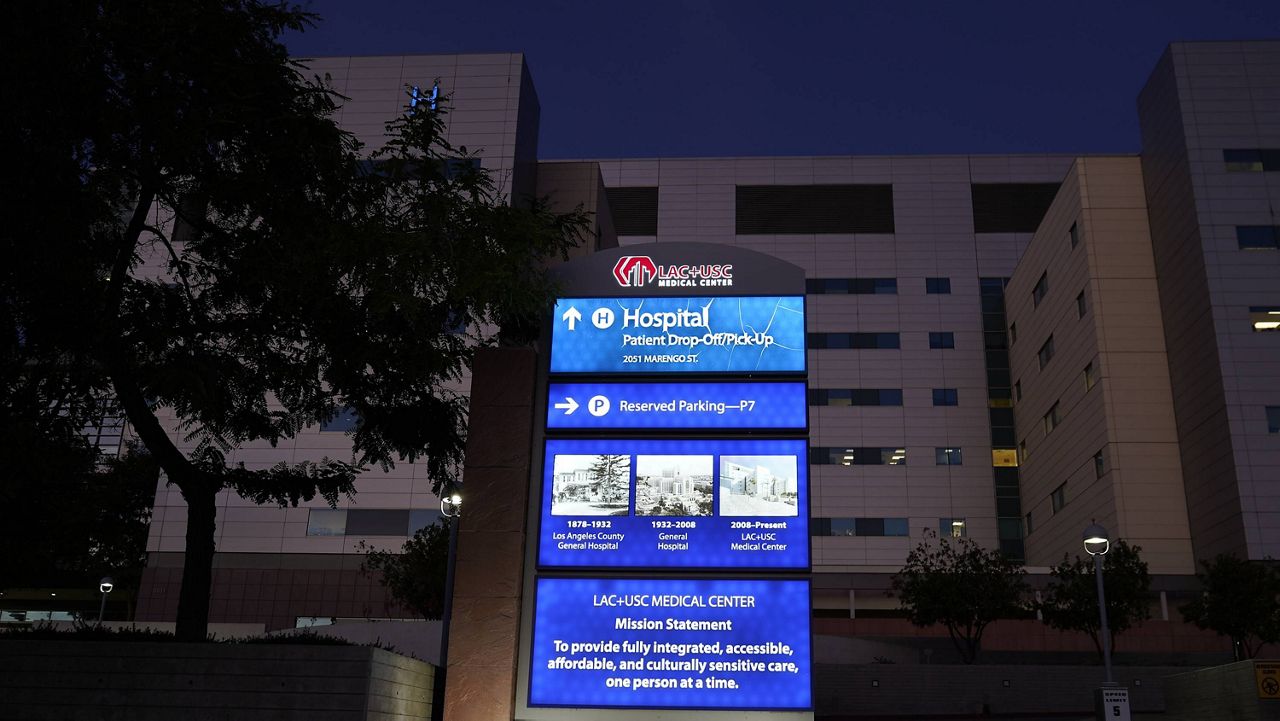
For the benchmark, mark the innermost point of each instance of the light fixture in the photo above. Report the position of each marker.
(1097, 543)
(1095, 540)
(105, 585)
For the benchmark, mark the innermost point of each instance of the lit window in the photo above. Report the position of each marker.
(326, 522)
(945, 397)
(1046, 353)
(1099, 465)
(859, 456)
(942, 340)
(1074, 232)
(1080, 306)
(1257, 237)
(1004, 457)
(1264, 318)
(1273, 419)
(1058, 499)
(935, 286)
(1042, 287)
(1090, 377)
(1052, 419)
(953, 527)
(948, 457)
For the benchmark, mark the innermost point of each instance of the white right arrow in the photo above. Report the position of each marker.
(571, 316)
(569, 405)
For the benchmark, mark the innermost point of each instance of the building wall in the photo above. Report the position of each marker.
(1126, 412)
(1204, 98)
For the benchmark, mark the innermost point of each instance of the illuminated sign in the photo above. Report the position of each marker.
(667, 643)
(690, 504)
(678, 335)
(637, 271)
(692, 405)
(417, 97)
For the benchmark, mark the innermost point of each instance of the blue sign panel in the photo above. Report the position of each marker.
(677, 405)
(664, 643)
(691, 504)
(678, 335)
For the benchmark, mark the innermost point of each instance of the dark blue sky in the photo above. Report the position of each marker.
(663, 78)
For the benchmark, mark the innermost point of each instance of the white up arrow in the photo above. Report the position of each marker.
(569, 405)
(571, 316)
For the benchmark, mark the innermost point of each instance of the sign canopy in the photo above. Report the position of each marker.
(666, 269)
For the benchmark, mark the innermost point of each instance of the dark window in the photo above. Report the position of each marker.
(839, 341)
(945, 397)
(937, 286)
(948, 457)
(1051, 419)
(953, 527)
(858, 456)
(1074, 233)
(1030, 527)
(634, 210)
(942, 340)
(1099, 465)
(377, 522)
(1042, 287)
(1080, 305)
(855, 396)
(1017, 391)
(1013, 333)
(1058, 499)
(1264, 237)
(1046, 353)
(1273, 419)
(420, 518)
(1090, 377)
(346, 420)
(1264, 318)
(1252, 160)
(895, 526)
(995, 341)
(834, 526)
(852, 286)
(870, 526)
(817, 209)
(1022, 452)
(1010, 207)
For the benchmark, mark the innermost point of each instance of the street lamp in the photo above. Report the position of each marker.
(451, 508)
(104, 587)
(1096, 543)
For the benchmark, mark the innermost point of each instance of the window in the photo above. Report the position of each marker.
(1258, 237)
(1046, 353)
(855, 397)
(420, 518)
(377, 522)
(844, 341)
(1017, 391)
(1074, 233)
(1013, 333)
(326, 522)
(947, 457)
(953, 527)
(634, 209)
(1029, 524)
(1010, 207)
(1273, 419)
(1080, 305)
(1251, 160)
(857, 456)
(859, 526)
(1099, 465)
(851, 286)
(1022, 451)
(1042, 287)
(813, 209)
(1058, 499)
(937, 286)
(942, 340)
(1090, 377)
(1052, 419)
(945, 397)
(345, 421)
(1264, 318)
(1004, 458)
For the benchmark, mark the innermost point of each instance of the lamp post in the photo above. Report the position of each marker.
(104, 587)
(1097, 544)
(451, 508)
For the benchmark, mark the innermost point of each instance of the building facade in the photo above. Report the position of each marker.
(935, 284)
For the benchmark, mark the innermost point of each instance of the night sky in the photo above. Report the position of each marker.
(644, 79)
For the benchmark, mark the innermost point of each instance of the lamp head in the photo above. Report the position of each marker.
(451, 505)
(106, 584)
(1096, 541)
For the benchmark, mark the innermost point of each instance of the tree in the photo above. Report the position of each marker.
(195, 236)
(961, 585)
(416, 576)
(610, 473)
(1238, 601)
(1071, 599)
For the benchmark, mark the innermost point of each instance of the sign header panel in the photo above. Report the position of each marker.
(692, 405)
(679, 335)
(689, 504)
(667, 643)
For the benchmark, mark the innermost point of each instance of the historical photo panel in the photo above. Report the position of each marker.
(758, 486)
(591, 485)
(674, 485)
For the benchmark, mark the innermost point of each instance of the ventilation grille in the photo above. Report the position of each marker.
(635, 210)
(817, 209)
(1011, 207)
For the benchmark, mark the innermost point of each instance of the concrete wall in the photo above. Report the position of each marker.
(1229, 691)
(74, 681)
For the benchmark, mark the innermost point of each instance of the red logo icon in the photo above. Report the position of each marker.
(633, 271)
